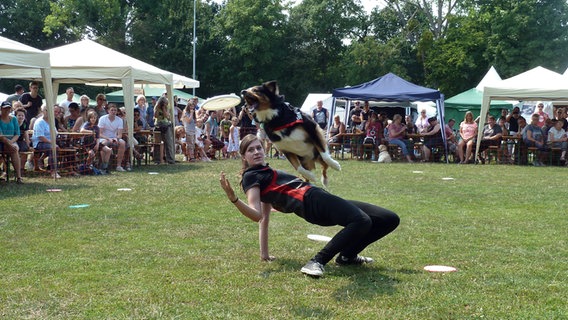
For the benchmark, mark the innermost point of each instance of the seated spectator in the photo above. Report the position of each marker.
(397, 132)
(491, 136)
(451, 139)
(9, 135)
(432, 137)
(41, 140)
(533, 137)
(24, 142)
(411, 128)
(212, 133)
(557, 138)
(111, 128)
(468, 133)
(373, 135)
(92, 144)
(202, 143)
(71, 120)
(422, 121)
(336, 130)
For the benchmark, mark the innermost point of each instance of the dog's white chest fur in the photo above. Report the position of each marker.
(293, 143)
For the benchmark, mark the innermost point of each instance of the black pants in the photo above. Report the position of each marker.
(364, 223)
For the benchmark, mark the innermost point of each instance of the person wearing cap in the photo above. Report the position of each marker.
(19, 90)
(9, 134)
(41, 140)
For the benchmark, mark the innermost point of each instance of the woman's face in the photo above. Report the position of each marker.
(254, 154)
(20, 116)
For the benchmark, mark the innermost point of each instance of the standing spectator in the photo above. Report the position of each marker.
(468, 132)
(142, 106)
(225, 128)
(70, 93)
(163, 121)
(234, 139)
(9, 135)
(150, 112)
(111, 128)
(355, 117)
(42, 142)
(189, 120)
(101, 107)
(373, 135)
(246, 122)
(32, 101)
(19, 90)
(212, 133)
(422, 121)
(320, 115)
(542, 116)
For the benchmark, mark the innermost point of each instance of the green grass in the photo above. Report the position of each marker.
(175, 248)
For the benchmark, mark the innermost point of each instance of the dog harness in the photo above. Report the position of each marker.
(283, 122)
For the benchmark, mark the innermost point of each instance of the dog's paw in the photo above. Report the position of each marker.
(310, 176)
(330, 161)
(324, 181)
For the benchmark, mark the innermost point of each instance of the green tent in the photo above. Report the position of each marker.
(470, 100)
(118, 96)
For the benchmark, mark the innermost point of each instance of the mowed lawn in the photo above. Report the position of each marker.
(173, 247)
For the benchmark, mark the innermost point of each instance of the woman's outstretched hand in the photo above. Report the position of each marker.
(226, 185)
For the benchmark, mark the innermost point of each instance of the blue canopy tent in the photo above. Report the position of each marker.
(393, 88)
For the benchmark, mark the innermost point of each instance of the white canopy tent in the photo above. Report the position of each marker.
(89, 62)
(17, 58)
(536, 84)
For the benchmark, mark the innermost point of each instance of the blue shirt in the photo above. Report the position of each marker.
(11, 128)
(41, 129)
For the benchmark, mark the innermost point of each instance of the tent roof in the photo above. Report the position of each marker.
(535, 84)
(17, 55)
(89, 62)
(389, 87)
(472, 99)
(490, 78)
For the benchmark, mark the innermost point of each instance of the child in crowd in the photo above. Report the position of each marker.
(92, 143)
(234, 138)
(225, 126)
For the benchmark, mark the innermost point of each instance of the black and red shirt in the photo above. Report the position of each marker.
(284, 191)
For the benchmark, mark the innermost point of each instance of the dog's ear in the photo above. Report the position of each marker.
(272, 86)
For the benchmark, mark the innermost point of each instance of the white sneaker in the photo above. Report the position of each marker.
(120, 169)
(128, 168)
(56, 175)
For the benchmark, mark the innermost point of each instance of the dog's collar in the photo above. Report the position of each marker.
(299, 119)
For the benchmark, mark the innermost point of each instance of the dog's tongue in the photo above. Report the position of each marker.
(253, 106)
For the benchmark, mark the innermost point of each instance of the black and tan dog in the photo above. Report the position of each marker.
(293, 132)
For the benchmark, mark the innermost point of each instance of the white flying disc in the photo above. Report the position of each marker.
(440, 269)
(152, 173)
(448, 178)
(53, 190)
(417, 171)
(123, 189)
(317, 237)
(222, 102)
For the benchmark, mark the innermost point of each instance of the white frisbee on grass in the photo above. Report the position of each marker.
(152, 173)
(222, 102)
(447, 178)
(317, 237)
(123, 189)
(77, 206)
(53, 190)
(436, 268)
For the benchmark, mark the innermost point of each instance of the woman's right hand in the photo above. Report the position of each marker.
(226, 185)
